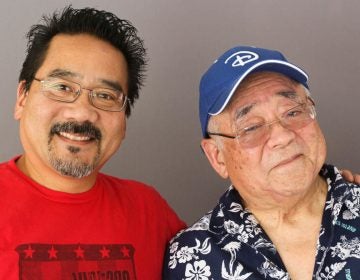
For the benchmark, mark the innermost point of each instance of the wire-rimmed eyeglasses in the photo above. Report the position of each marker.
(67, 91)
(253, 134)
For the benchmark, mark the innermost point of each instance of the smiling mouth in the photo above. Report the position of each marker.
(73, 137)
(76, 132)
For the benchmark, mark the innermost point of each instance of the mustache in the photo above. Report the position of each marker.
(85, 128)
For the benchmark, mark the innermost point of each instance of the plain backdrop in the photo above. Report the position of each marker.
(183, 38)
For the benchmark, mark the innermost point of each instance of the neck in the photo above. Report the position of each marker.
(51, 179)
(288, 209)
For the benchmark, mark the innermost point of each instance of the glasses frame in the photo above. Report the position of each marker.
(268, 124)
(91, 95)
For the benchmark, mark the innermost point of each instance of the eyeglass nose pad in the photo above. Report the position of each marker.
(91, 96)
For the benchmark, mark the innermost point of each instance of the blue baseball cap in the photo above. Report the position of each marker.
(221, 80)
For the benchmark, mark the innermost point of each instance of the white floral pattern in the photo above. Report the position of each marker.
(268, 269)
(197, 271)
(228, 243)
(185, 254)
(346, 248)
(331, 271)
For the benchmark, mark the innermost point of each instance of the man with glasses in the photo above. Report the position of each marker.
(287, 214)
(60, 217)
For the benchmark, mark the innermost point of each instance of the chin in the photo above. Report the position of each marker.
(292, 184)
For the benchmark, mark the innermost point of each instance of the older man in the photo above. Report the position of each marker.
(60, 217)
(287, 215)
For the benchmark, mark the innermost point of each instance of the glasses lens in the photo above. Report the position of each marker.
(60, 89)
(250, 135)
(299, 116)
(109, 100)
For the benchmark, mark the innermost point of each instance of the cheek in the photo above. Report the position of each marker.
(314, 139)
(115, 131)
(34, 127)
(319, 148)
(243, 161)
(42, 107)
(37, 118)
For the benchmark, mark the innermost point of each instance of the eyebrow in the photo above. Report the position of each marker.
(62, 73)
(244, 110)
(289, 94)
(112, 84)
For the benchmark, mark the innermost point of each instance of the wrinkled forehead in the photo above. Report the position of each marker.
(262, 86)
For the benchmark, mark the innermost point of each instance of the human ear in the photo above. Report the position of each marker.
(21, 97)
(215, 156)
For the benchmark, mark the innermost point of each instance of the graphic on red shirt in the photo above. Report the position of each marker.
(76, 261)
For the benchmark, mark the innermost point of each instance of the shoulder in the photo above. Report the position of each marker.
(3, 165)
(150, 207)
(144, 198)
(8, 165)
(194, 249)
(200, 229)
(343, 197)
(9, 171)
(195, 239)
(338, 187)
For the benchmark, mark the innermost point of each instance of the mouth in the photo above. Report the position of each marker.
(76, 132)
(288, 161)
(74, 137)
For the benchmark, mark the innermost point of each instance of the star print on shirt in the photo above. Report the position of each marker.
(125, 251)
(79, 252)
(105, 253)
(76, 261)
(52, 253)
(29, 252)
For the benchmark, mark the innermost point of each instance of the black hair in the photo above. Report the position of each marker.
(104, 25)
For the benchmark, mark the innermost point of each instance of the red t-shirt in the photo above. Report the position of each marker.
(116, 230)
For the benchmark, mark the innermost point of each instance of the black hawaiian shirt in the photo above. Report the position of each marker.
(228, 242)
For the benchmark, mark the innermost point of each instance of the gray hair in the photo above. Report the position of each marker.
(213, 126)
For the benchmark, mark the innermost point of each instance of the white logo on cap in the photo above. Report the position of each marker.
(241, 58)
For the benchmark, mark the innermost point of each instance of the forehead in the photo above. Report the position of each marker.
(263, 86)
(89, 57)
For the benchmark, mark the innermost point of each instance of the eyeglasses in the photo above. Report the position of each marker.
(68, 91)
(253, 134)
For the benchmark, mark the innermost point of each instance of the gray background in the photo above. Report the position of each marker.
(183, 38)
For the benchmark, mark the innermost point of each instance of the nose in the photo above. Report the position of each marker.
(81, 109)
(279, 135)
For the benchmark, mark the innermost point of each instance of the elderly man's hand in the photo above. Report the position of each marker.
(349, 176)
